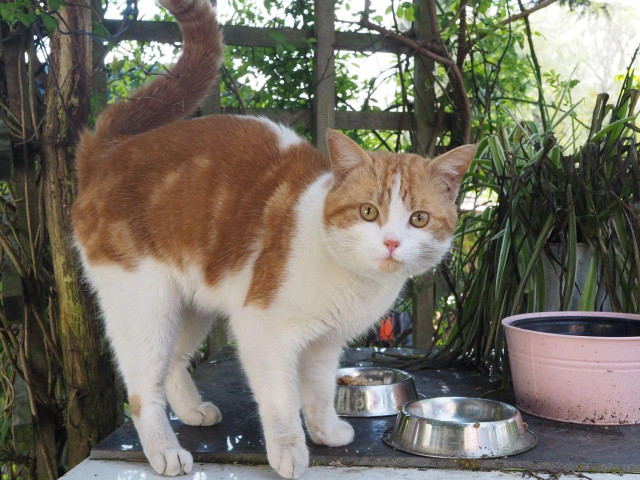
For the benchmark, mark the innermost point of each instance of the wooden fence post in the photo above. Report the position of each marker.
(211, 104)
(324, 89)
(218, 337)
(91, 394)
(423, 137)
(424, 93)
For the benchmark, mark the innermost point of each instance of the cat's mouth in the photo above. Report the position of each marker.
(390, 265)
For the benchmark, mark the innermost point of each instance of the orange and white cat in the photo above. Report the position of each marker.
(176, 220)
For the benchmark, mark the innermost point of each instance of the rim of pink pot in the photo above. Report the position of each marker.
(508, 321)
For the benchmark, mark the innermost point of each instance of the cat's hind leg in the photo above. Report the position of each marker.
(182, 393)
(141, 316)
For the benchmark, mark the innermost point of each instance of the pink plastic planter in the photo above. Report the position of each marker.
(575, 378)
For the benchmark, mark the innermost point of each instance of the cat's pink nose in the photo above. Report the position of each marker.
(391, 244)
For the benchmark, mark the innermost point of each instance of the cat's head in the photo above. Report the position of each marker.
(391, 213)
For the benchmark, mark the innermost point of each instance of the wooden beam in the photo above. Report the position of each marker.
(344, 120)
(368, 42)
(373, 120)
(218, 335)
(424, 105)
(91, 407)
(423, 137)
(286, 117)
(242, 36)
(324, 72)
(423, 288)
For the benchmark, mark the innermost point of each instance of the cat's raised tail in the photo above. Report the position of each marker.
(171, 95)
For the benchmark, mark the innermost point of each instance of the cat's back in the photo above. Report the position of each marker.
(231, 144)
(191, 188)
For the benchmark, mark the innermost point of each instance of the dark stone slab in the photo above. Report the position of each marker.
(562, 447)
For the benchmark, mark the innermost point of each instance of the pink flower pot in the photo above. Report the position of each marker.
(580, 367)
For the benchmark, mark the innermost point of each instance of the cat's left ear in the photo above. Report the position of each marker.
(451, 166)
(345, 154)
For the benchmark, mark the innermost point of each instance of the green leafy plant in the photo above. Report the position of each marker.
(537, 202)
(24, 13)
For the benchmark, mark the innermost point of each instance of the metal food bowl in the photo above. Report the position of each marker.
(397, 389)
(460, 427)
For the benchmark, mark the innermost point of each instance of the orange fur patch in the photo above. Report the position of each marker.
(135, 405)
(214, 189)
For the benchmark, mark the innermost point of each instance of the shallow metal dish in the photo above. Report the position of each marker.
(460, 427)
(374, 400)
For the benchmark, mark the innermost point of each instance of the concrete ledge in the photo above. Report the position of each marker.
(113, 470)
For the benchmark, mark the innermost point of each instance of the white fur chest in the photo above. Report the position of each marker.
(325, 298)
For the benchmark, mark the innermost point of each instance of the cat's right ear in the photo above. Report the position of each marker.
(451, 166)
(345, 154)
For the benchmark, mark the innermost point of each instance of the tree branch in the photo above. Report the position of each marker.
(526, 13)
(461, 99)
(462, 34)
(432, 12)
(233, 86)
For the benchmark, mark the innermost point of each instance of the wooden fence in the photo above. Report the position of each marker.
(323, 114)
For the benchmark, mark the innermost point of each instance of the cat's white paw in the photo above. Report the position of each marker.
(171, 461)
(336, 433)
(288, 456)
(203, 415)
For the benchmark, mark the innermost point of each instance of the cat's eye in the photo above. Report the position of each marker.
(368, 212)
(419, 219)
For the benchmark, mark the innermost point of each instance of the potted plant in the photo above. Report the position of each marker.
(558, 229)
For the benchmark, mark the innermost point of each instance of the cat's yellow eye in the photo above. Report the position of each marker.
(419, 219)
(368, 212)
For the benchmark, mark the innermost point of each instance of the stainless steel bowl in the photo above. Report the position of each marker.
(460, 427)
(397, 389)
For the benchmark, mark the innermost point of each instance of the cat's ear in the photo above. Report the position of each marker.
(451, 166)
(345, 154)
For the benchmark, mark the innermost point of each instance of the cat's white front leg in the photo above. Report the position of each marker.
(270, 361)
(318, 365)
